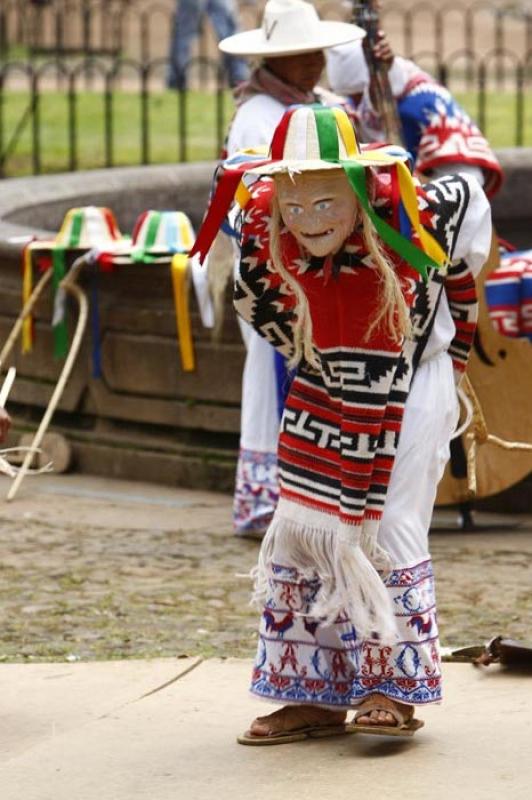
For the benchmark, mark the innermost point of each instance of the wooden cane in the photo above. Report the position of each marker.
(69, 285)
(6, 386)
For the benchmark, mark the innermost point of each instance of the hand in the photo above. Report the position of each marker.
(5, 424)
(382, 50)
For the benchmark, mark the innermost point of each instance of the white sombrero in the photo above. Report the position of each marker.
(290, 27)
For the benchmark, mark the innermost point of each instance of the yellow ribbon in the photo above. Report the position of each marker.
(186, 234)
(242, 195)
(27, 288)
(63, 235)
(409, 198)
(179, 268)
(347, 133)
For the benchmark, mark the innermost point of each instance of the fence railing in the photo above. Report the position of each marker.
(141, 28)
(59, 115)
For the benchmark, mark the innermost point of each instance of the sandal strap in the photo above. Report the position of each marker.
(382, 703)
(291, 718)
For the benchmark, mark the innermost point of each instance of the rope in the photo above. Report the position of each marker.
(479, 435)
(69, 285)
(12, 471)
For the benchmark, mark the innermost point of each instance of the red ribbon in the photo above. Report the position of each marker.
(279, 137)
(219, 206)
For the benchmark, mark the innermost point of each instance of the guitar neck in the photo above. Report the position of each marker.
(366, 16)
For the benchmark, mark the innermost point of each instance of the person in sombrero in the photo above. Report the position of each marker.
(436, 130)
(344, 262)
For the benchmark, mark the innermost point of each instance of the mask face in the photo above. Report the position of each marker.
(318, 208)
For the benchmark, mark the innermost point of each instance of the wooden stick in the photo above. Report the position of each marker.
(6, 386)
(69, 285)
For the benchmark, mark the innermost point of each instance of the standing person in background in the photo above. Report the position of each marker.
(290, 47)
(187, 19)
(438, 133)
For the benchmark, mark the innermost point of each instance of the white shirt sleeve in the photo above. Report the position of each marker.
(474, 238)
(254, 123)
(453, 168)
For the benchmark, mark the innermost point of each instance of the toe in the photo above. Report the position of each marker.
(259, 728)
(377, 717)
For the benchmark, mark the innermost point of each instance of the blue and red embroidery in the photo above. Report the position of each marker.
(302, 660)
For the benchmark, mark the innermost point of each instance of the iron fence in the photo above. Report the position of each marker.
(47, 110)
(117, 90)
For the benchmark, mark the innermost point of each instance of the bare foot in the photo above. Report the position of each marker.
(293, 718)
(391, 713)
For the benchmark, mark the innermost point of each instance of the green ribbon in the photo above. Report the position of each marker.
(60, 329)
(356, 175)
(75, 233)
(327, 134)
(417, 258)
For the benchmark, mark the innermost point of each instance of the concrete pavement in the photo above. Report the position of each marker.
(165, 730)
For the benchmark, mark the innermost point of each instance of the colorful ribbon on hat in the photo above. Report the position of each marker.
(59, 326)
(180, 236)
(69, 236)
(178, 239)
(330, 125)
(27, 289)
(230, 188)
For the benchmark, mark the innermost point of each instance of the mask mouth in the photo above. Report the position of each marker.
(318, 235)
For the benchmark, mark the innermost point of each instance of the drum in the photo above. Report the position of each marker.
(500, 371)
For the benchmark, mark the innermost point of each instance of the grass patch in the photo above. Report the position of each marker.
(78, 137)
(500, 123)
(89, 134)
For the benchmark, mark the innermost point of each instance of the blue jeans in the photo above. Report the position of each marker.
(186, 27)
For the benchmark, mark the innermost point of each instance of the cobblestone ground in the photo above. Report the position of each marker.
(92, 571)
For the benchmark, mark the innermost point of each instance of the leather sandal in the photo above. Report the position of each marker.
(288, 732)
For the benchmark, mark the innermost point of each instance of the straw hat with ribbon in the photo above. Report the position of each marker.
(82, 229)
(315, 138)
(158, 236)
(163, 233)
(290, 27)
